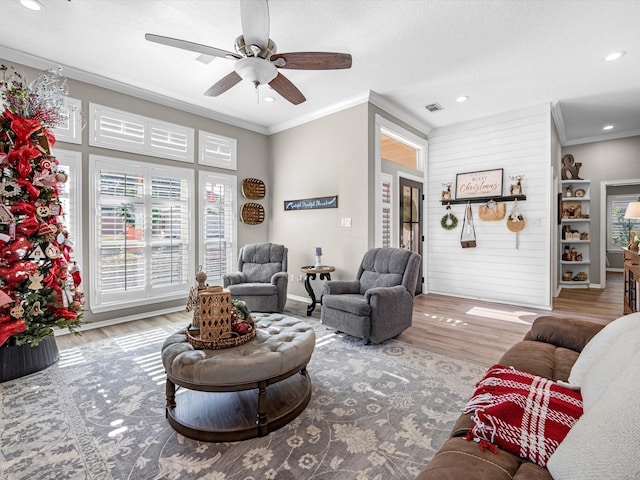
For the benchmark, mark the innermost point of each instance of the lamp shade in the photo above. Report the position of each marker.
(633, 211)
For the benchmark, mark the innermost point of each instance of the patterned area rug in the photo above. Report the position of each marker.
(377, 412)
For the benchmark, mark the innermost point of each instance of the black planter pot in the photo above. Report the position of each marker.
(18, 361)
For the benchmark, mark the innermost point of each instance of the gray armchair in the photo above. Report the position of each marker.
(379, 304)
(262, 277)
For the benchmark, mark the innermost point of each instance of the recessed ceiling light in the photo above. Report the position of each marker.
(608, 127)
(614, 56)
(269, 99)
(31, 4)
(461, 99)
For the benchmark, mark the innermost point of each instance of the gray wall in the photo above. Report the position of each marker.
(253, 161)
(608, 161)
(324, 157)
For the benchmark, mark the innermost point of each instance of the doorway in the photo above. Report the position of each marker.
(410, 215)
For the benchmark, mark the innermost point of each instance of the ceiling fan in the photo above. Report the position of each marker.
(256, 59)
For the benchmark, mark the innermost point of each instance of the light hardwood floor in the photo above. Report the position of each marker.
(462, 328)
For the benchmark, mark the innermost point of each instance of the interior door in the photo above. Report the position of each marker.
(411, 237)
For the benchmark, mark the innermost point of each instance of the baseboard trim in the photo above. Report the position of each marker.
(115, 321)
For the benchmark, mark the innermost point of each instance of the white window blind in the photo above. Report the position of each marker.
(120, 130)
(217, 151)
(386, 220)
(142, 233)
(70, 130)
(217, 225)
(70, 194)
(618, 228)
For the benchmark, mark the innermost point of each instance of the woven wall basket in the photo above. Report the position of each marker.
(253, 188)
(252, 213)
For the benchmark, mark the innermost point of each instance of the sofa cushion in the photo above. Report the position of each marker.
(352, 303)
(609, 365)
(543, 359)
(601, 342)
(255, 289)
(522, 413)
(604, 443)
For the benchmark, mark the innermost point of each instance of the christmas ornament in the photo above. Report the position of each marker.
(36, 281)
(17, 311)
(45, 164)
(62, 177)
(5, 299)
(43, 211)
(37, 254)
(52, 251)
(35, 309)
(55, 209)
(46, 229)
(6, 217)
(44, 178)
(9, 189)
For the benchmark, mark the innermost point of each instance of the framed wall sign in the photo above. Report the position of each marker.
(311, 203)
(487, 183)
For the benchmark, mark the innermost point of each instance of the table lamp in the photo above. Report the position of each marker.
(633, 213)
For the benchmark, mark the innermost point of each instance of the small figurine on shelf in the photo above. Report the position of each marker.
(516, 189)
(446, 194)
(566, 255)
(569, 192)
(318, 257)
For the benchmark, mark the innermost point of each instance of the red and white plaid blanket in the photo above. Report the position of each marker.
(521, 413)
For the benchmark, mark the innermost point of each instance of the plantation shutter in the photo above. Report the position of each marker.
(218, 225)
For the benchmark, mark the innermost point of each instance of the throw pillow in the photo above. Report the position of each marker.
(604, 443)
(521, 413)
(601, 342)
(609, 365)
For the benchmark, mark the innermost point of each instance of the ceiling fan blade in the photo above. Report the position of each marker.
(191, 46)
(288, 90)
(314, 60)
(223, 84)
(255, 22)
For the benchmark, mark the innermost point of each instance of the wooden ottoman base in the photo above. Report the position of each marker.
(239, 412)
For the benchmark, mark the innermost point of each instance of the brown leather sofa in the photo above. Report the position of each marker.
(549, 350)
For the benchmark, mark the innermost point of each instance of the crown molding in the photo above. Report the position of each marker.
(120, 87)
(391, 108)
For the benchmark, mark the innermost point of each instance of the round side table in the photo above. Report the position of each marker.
(311, 271)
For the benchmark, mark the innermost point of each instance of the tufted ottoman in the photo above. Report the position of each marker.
(227, 397)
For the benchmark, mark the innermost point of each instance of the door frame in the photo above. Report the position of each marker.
(413, 178)
(421, 145)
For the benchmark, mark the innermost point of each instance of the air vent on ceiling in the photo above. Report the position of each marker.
(434, 107)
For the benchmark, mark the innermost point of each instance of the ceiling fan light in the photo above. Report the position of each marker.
(256, 70)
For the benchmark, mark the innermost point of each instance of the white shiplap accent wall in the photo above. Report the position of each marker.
(518, 142)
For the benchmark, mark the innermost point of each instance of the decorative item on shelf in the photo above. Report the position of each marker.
(253, 188)
(572, 210)
(570, 169)
(580, 193)
(567, 276)
(492, 211)
(566, 255)
(468, 234)
(581, 277)
(318, 257)
(449, 221)
(569, 191)
(516, 189)
(584, 235)
(446, 194)
(252, 213)
(634, 241)
(515, 220)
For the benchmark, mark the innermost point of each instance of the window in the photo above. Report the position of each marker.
(217, 225)
(119, 130)
(618, 229)
(70, 191)
(217, 151)
(71, 129)
(142, 234)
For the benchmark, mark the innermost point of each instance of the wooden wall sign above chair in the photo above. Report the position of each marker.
(253, 188)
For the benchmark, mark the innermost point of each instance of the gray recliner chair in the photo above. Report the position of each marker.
(262, 277)
(378, 305)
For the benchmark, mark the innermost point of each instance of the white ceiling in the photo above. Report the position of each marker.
(503, 54)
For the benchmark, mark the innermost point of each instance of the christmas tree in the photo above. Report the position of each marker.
(39, 283)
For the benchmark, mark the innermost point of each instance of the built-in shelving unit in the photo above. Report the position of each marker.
(631, 281)
(575, 233)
